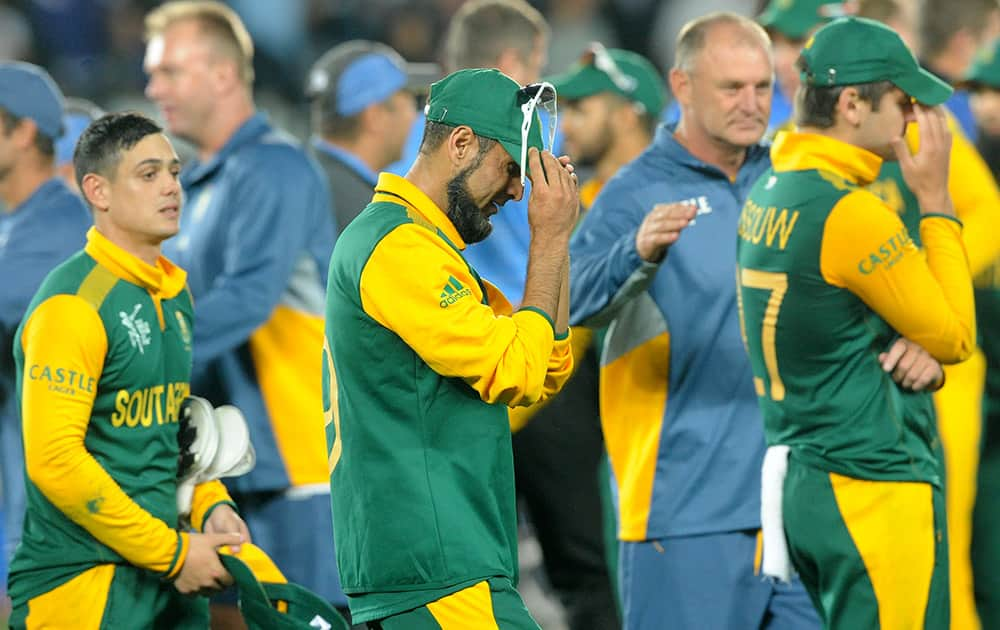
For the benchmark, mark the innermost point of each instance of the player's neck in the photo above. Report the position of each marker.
(225, 122)
(726, 157)
(138, 245)
(424, 176)
(23, 179)
(364, 148)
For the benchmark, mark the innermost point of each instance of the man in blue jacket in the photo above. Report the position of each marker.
(255, 237)
(42, 224)
(656, 257)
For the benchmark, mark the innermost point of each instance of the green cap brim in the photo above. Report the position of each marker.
(981, 77)
(926, 88)
(582, 83)
(514, 148)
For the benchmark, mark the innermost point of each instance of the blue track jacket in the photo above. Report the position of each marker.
(681, 422)
(256, 237)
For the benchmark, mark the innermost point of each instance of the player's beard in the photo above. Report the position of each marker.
(469, 219)
(591, 155)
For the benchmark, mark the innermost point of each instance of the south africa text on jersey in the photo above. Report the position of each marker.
(142, 406)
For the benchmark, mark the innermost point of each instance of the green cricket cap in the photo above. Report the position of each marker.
(634, 78)
(260, 601)
(489, 102)
(853, 50)
(985, 70)
(795, 18)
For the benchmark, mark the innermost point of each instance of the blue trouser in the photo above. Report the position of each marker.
(707, 583)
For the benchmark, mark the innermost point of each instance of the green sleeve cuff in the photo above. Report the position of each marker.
(208, 512)
(563, 336)
(169, 574)
(535, 309)
(942, 216)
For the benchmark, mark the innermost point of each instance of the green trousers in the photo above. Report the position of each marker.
(489, 605)
(112, 597)
(871, 554)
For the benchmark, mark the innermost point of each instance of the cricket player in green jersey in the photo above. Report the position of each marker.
(829, 279)
(103, 360)
(424, 357)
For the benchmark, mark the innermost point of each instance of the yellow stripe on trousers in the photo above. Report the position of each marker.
(468, 608)
(892, 525)
(79, 603)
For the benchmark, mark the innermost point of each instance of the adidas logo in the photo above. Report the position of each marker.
(453, 291)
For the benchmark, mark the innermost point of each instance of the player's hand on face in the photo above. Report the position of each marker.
(926, 171)
(225, 520)
(911, 366)
(554, 204)
(661, 228)
(202, 572)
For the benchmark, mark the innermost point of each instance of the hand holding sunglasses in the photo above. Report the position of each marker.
(554, 203)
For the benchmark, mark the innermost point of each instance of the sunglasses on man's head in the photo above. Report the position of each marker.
(598, 56)
(531, 96)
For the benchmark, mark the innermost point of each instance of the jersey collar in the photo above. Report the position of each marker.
(165, 278)
(796, 151)
(396, 189)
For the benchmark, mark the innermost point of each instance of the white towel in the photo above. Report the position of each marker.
(775, 562)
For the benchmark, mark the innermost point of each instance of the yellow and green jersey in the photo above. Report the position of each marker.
(422, 360)
(103, 361)
(987, 286)
(829, 276)
(973, 191)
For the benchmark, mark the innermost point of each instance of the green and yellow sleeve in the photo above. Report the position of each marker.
(580, 338)
(65, 332)
(974, 194)
(208, 496)
(437, 308)
(867, 250)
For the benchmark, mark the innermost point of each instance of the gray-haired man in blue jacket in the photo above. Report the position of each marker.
(656, 257)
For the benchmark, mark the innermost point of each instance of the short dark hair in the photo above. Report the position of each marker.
(330, 124)
(100, 147)
(482, 29)
(816, 105)
(44, 144)
(436, 133)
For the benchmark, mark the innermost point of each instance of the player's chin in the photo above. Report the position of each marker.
(746, 134)
(167, 229)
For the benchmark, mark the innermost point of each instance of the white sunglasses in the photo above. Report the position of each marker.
(536, 94)
(597, 55)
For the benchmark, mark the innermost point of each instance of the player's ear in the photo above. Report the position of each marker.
(851, 107)
(462, 146)
(680, 85)
(96, 190)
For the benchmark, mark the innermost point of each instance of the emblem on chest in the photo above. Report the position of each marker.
(138, 329)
